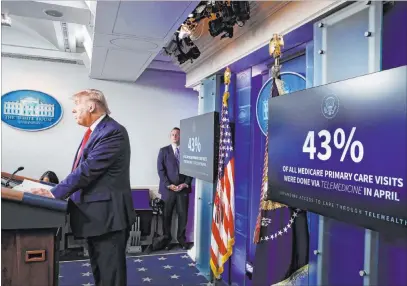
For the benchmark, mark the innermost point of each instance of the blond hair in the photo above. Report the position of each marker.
(96, 96)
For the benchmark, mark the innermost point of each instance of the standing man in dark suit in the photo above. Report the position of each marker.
(174, 188)
(98, 188)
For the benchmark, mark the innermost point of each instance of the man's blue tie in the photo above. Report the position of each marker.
(177, 154)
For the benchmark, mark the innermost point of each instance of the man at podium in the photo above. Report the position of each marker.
(98, 188)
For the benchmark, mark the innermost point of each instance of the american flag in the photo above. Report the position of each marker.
(223, 220)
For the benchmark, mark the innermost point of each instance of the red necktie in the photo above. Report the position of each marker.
(84, 141)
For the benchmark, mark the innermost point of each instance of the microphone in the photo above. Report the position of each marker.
(12, 175)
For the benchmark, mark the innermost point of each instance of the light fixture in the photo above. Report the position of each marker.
(54, 13)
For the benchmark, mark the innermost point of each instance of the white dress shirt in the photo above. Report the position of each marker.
(174, 147)
(94, 124)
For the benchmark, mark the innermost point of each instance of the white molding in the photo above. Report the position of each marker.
(197, 87)
(33, 52)
(283, 21)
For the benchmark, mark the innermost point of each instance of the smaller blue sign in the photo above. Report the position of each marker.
(30, 110)
(292, 82)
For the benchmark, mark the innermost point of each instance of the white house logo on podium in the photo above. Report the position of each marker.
(30, 110)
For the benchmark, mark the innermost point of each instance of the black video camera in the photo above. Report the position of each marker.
(157, 205)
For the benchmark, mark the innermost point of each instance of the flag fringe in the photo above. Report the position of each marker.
(217, 271)
(291, 281)
(225, 98)
(265, 204)
(271, 205)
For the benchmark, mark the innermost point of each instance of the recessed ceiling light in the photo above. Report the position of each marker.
(53, 13)
(190, 15)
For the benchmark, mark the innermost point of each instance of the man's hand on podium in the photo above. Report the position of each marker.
(42, 192)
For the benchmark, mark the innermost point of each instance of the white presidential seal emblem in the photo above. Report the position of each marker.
(330, 106)
(292, 82)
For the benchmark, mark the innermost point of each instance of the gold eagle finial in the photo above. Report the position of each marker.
(227, 75)
(275, 46)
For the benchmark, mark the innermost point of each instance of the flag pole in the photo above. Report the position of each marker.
(276, 43)
(230, 271)
(222, 236)
(227, 79)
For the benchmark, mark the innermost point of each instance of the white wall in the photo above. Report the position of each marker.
(148, 109)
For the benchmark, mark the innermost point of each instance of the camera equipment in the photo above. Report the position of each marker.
(182, 48)
(227, 16)
(158, 241)
(222, 16)
(157, 205)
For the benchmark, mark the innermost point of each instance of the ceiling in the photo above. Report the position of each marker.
(116, 40)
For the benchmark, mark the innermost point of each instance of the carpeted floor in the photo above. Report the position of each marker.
(155, 269)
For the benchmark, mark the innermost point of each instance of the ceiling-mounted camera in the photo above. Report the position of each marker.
(238, 12)
(222, 15)
(182, 48)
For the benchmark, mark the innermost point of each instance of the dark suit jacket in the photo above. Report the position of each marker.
(101, 199)
(168, 171)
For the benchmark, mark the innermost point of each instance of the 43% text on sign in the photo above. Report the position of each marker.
(348, 145)
(194, 145)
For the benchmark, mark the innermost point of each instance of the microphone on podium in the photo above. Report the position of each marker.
(12, 175)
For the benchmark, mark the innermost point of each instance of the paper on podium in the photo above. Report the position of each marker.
(27, 185)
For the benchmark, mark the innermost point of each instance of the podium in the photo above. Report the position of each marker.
(30, 232)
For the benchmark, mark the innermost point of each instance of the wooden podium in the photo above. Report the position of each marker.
(30, 228)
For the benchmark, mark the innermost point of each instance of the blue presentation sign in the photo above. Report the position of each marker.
(199, 146)
(292, 82)
(30, 110)
(340, 150)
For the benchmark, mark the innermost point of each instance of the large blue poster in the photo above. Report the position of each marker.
(199, 146)
(340, 150)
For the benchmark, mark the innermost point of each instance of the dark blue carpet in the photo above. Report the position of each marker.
(160, 269)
